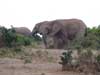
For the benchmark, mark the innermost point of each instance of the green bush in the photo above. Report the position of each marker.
(66, 58)
(23, 40)
(90, 41)
(9, 36)
(12, 39)
(98, 59)
(27, 41)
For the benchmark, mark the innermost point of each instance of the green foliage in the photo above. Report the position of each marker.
(9, 36)
(98, 59)
(23, 40)
(92, 39)
(86, 55)
(10, 52)
(12, 39)
(27, 41)
(66, 58)
(76, 45)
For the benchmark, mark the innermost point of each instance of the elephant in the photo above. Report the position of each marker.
(59, 33)
(23, 30)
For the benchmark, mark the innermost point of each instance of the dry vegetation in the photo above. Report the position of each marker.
(29, 61)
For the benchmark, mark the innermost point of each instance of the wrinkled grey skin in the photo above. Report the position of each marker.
(23, 30)
(41, 28)
(58, 33)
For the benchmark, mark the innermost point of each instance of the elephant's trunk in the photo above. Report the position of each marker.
(34, 32)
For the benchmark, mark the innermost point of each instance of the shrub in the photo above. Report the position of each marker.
(90, 41)
(9, 36)
(23, 40)
(27, 41)
(98, 59)
(66, 59)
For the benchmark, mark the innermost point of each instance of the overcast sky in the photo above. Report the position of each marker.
(29, 12)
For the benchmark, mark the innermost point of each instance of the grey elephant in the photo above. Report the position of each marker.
(59, 33)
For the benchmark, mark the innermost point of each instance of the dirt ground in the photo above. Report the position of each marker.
(11, 66)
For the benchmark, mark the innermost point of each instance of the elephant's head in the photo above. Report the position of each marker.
(46, 29)
(40, 28)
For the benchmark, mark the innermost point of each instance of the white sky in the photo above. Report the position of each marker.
(29, 12)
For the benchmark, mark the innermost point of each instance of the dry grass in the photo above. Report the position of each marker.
(35, 62)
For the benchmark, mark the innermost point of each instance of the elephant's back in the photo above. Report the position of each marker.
(23, 30)
(72, 24)
(73, 27)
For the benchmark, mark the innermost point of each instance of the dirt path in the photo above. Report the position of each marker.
(17, 67)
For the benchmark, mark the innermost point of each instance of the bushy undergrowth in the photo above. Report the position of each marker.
(23, 40)
(90, 40)
(66, 59)
(8, 36)
(12, 39)
(86, 62)
(19, 53)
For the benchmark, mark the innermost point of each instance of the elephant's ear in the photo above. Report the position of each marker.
(56, 27)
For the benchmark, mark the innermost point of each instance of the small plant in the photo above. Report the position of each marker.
(98, 59)
(66, 59)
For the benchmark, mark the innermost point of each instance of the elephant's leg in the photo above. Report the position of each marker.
(54, 42)
(50, 41)
(45, 42)
(59, 43)
(65, 41)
